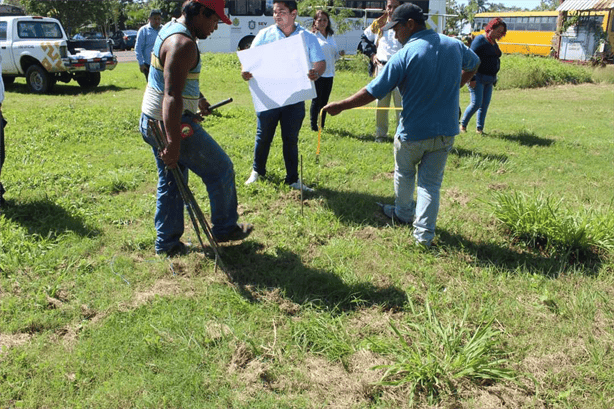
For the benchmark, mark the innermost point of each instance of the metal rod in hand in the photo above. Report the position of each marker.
(219, 104)
(196, 214)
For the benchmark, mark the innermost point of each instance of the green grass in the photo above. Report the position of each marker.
(330, 306)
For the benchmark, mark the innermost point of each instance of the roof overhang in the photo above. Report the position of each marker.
(586, 5)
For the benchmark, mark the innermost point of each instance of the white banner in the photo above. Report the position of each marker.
(279, 72)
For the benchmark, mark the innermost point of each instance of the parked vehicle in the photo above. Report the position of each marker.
(124, 39)
(37, 48)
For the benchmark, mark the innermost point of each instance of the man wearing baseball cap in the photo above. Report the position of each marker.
(429, 71)
(173, 97)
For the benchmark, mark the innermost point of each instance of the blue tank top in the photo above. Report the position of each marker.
(155, 81)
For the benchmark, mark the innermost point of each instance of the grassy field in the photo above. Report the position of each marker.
(329, 305)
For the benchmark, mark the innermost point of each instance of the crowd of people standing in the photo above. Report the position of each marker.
(408, 60)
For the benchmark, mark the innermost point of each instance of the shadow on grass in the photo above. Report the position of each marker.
(356, 207)
(332, 131)
(513, 261)
(524, 138)
(46, 218)
(67, 89)
(302, 284)
(467, 153)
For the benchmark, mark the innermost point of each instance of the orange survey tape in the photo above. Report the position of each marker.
(320, 123)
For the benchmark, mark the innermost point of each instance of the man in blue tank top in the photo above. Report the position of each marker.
(173, 97)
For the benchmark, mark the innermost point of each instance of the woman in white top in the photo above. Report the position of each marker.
(323, 31)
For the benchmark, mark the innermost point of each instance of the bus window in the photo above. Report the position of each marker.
(511, 23)
(533, 24)
(548, 24)
(246, 7)
(268, 9)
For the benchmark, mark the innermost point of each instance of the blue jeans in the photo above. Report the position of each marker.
(203, 156)
(480, 100)
(290, 119)
(429, 157)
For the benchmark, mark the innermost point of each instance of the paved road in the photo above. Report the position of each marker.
(125, 56)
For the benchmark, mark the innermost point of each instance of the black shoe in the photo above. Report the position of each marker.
(240, 232)
(2, 202)
(179, 249)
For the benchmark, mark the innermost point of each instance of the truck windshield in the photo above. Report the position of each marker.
(39, 29)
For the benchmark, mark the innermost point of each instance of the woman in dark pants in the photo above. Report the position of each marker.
(481, 85)
(323, 31)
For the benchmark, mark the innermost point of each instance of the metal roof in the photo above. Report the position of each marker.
(582, 5)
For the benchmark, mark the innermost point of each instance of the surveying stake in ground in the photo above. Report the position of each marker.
(172, 89)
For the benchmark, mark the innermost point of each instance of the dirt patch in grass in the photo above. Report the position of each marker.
(498, 186)
(327, 384)
(500, 396)
(457, 196)
(162, 288)
(368, 232)
(384, 176)
(342, 386)
(274, 296)
(11, 340)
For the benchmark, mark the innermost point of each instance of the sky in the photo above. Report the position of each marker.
(528, 4)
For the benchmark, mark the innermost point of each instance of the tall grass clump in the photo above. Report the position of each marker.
(603, 75)
(542, 222)
(521, 71)
(434, 359)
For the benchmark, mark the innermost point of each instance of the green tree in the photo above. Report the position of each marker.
(455, 23)
(73, 14)
(336, 9)
(546, 5)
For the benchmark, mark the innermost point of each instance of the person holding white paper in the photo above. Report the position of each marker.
(290, 117)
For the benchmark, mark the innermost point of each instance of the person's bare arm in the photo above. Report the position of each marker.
(359, 99)
(466, 77)
(178, 55)
(318, 69)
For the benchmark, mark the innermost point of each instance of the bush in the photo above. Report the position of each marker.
(521, 71)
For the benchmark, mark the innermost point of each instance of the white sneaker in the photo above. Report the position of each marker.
(298, 185)
(252, 178)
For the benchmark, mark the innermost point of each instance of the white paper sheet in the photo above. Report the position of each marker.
(279, 72)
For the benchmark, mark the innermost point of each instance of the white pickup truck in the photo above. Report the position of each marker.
(37, 48)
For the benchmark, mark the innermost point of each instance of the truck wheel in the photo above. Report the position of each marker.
(90, 80)
(246, 42)
(38, 79)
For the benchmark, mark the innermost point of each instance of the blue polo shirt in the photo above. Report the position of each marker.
(427, 71)
(273, 33)
(145, 40)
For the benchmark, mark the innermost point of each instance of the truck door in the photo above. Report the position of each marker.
(8, 64)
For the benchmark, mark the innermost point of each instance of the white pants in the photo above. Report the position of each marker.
(381, 115)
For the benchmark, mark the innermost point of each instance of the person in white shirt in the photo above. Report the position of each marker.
(387, 45)
(324, 85)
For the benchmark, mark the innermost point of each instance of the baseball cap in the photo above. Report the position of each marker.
(403, 13)
(155, 12)
(217, 6)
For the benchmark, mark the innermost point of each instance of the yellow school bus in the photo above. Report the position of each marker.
(533, 32)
